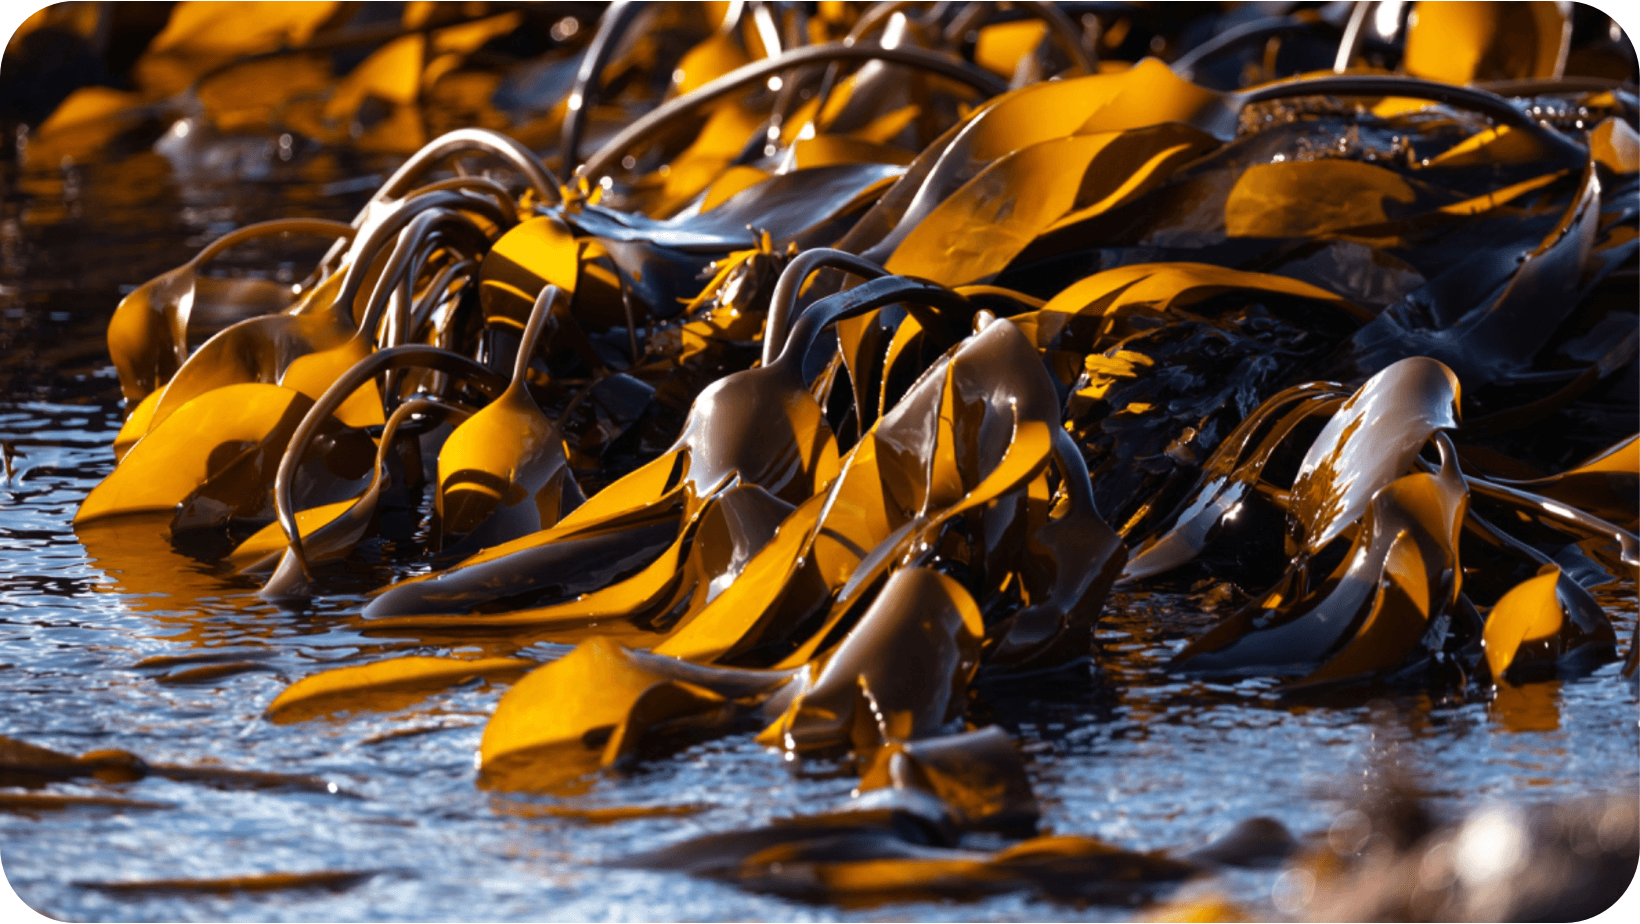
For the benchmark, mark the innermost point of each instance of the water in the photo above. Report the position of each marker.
(97, 645)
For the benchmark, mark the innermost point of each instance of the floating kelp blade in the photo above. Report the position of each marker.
(383, 684)
(596, 705)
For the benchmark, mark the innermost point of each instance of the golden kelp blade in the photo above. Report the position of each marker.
(1466, 42)
(1539, 623)
(1145, 95)
(226, 439)
(1529, 612)
(503, 470)
(383, 685)
(1607, 485)
(539, 252)
(590, 708)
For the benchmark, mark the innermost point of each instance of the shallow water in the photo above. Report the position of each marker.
(102, 647)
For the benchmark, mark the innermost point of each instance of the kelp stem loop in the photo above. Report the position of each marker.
(409, 355)
(783, 302)
(612, 152)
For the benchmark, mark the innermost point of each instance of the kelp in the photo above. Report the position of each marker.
(845, 358)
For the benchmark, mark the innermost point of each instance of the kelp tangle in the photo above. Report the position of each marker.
(807, 370)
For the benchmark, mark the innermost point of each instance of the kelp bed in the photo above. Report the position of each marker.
(821, 456)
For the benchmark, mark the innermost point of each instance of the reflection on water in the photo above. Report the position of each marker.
(113, 640)
(1533, 707)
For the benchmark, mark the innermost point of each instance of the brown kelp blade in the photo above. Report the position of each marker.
(757, 427)
(148, 335)
(1400, 573)
(1372, 439)
(900, 673)
(331, 531)
(978, 776)
(27, 764)
(344, 389)
(924, 471)
(307, 351)
(1231, 477)
(863, 857)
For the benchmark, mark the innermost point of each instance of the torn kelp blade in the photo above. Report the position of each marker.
(1541, 621)
(1370, 614)
(384, 685)
(147, 336)
(596, 705)
(215, 456)
(503, 472)
(1373, 439)
(902, 672)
